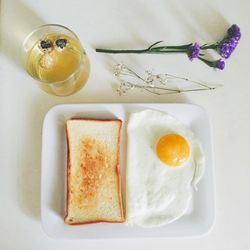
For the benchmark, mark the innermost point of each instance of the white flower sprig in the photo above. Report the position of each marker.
(159, 84)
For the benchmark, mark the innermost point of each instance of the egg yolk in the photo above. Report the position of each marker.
(173, 150)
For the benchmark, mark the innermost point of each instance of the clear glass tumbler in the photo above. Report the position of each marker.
(54, 57)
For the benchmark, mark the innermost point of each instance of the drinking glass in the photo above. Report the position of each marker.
(55, 58)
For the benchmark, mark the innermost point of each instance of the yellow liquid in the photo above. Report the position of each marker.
(60, 71)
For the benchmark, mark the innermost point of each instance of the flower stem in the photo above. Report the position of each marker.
(186, 46)
(211, 46)
(207, 62)
(150, 50)
(165, 51)
(140, 51)
(218, 64)
(120, 51)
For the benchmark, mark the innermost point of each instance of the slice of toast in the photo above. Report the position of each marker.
(93, 179)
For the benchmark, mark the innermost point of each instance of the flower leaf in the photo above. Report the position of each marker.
(151, 46)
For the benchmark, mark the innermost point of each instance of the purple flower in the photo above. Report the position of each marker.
(227, 47)
(230, 42)
(225, 50)
(234, 32)
(233, 42)
(220, 64)
(194, 51)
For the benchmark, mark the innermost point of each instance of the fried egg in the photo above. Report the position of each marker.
(165, 162)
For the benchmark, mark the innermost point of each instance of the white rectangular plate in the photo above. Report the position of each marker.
(200, 216)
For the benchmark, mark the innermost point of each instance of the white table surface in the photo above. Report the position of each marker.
(125, 24)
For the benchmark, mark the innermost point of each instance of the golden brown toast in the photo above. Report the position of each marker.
(93, 179)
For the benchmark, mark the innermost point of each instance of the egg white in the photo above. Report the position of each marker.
(158, 194)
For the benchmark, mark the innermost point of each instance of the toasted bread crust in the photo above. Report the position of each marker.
(117, 172)
(68, 173)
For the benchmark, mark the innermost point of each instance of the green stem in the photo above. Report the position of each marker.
(165, 51)
(149, 50)
(204, 60)
(140, 51)
(211, 46)
(186, 46)
(121, 51)
(207, 62)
